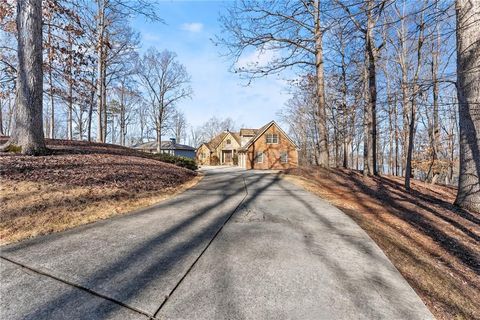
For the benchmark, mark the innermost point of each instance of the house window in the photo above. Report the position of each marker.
(229, 141)
(259, 157)
(272, 138)
(284, 157)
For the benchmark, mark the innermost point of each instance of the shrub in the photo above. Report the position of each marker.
(178, 161)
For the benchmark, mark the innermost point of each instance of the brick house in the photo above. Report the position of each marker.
(221, 150)
(266, 148)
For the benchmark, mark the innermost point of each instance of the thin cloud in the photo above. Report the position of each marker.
(150, 37)
(192, 27)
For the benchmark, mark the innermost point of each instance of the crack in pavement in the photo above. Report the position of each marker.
(93, 292)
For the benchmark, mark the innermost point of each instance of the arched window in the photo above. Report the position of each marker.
(229, 141)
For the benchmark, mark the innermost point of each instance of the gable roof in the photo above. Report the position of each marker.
(212, 144)
(261, 131)
(218, 139)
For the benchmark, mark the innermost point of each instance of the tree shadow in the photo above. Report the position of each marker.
(176, 253)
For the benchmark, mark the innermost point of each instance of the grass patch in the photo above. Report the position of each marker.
(79, 182)
(30, 209)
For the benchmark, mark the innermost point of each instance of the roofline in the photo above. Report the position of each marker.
(259, 134)
(227, 133)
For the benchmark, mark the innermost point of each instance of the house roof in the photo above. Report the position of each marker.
(217, 140)
(212, 144)
(261, 131)
(166, 145)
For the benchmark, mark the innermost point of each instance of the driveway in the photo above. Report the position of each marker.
(240, 245)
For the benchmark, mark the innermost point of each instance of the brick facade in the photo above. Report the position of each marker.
(248, 147)
(272, 152)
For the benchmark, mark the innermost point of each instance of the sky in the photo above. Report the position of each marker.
(187, 30)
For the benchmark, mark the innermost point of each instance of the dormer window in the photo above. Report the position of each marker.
(272, 138)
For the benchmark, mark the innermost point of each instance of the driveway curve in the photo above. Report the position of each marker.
(239, 245)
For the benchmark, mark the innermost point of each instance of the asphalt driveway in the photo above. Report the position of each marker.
(240, 245)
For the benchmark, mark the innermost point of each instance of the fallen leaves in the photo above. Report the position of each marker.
(431, 242)
(79, 183)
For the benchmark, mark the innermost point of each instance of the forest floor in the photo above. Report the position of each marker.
(78, 183)
(434, 244)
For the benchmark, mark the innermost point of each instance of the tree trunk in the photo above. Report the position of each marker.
(123, 130)
(104, 93)
(468, 92)
(395, 124)
(70, 88)
(27, 132)
(370, 140)
(434, 131)
(50, 82)
(411, 135)
(322, 116)
(100, 62)
(415, 92)
(159, 138)
(90, 110)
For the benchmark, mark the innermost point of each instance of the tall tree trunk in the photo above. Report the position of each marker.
(413, 110)
(122, 116)
(468, 92)
(104, 92)
(70, 88)
(370, 149)
(50, 82)
(100, 63)
(322, 115)
(159, 136)
(395, 124)
(434, 131)
(28, 124)
(90, 109)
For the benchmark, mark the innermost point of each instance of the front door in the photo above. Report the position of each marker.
(227, 157)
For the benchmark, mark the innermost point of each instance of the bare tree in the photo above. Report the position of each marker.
(28, 127)
(108, 12)
(468, 91)
(167, 82)
(372, 10)
(292, 32)
(413, 101)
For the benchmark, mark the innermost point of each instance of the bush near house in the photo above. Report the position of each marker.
(176, 160)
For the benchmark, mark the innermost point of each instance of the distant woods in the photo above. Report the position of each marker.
(375, 84)
(94, 77)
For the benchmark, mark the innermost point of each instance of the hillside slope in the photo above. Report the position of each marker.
(78, 183)
(435, 245)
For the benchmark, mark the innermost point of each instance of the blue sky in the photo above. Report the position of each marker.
(188, 30)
